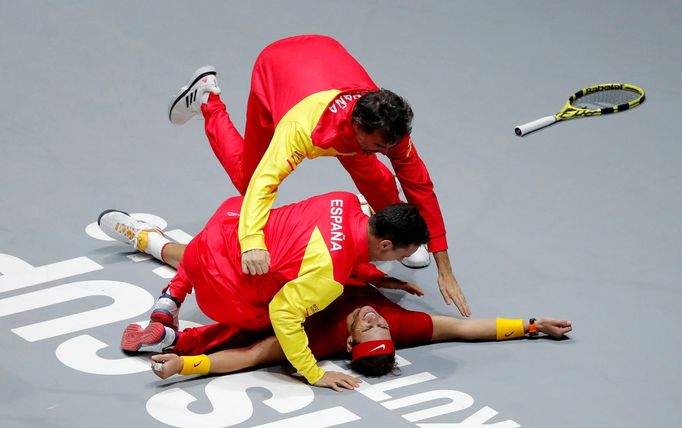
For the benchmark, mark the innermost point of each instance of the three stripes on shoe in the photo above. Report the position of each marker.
(190, 98)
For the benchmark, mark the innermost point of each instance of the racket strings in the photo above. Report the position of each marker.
(604, 99)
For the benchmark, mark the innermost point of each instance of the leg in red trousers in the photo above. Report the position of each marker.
(215, 337)
(240, 156)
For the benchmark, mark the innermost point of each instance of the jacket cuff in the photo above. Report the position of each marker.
(436, 244)
(314, 374)
(252, 242)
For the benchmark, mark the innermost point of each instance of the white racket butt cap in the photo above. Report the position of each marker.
(524, 129)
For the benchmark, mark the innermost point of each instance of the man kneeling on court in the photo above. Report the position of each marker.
(315, 246)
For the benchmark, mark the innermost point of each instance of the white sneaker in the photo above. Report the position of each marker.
(122, 227)
(419, 259)
(188, 100)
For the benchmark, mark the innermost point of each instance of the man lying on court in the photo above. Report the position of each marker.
(315, 246)
(362, 321)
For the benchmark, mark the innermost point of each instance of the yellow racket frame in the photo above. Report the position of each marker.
(569, 111)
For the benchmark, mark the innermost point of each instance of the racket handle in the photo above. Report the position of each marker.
(524, 129)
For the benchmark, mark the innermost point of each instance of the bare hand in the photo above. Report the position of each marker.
(554, 328)
(256, 262)
(449, 288)
(448, 285)
(166, 365)
(397, 284)
(337, 381)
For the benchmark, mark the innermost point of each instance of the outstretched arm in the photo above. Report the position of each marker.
(449, 328)
(265, 352)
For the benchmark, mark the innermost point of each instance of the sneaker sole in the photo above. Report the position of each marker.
(416, 267)
(99, 219)
(198, 75)
(134, 337)
(163, 317)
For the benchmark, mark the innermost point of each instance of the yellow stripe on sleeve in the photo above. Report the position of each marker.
(313, 290)
(290, 144)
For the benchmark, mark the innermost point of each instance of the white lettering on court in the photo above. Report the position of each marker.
(227, 394)
(128, 301)
(231, 405)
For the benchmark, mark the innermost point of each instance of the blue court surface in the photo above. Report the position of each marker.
(580, 221)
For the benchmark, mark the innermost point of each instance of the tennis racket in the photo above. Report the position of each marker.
(592, 101)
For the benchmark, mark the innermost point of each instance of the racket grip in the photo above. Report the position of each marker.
(524, 129)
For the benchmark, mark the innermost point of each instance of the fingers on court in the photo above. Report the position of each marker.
(348, 384)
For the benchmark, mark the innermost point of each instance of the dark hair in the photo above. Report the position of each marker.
(375, 365)
(401, 224)
(386, 112)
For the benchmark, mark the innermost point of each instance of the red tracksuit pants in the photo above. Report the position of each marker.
(238, 303)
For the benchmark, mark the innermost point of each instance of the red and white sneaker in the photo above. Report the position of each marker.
(188, 100)
(155, 338)
(166, 310)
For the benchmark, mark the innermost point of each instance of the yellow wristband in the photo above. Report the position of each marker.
(197, 364)
(509, 329)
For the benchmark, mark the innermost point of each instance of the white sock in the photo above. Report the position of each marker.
(154, 244)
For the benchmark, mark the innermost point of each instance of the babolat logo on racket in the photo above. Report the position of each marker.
(571, 113)
(603, 87)
(593, 101)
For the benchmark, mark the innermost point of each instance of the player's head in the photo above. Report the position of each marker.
(369, 342)
(396, 232)
(381, 119)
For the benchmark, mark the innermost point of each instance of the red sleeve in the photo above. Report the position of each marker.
(410, 327)
(372, 178)
(366, 272)
(418, 188)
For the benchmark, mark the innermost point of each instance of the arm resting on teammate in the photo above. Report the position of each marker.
(288, 310)
(289, 146)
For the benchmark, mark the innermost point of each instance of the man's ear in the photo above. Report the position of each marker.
(385, 245)
(349, 343)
